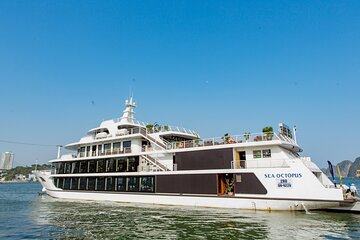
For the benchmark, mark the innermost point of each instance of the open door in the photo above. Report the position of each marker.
(221, 185)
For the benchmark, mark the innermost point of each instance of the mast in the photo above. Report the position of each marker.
(128, 113)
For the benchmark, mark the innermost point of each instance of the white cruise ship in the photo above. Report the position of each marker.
(124, 160)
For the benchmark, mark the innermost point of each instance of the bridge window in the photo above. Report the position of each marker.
(257, 154)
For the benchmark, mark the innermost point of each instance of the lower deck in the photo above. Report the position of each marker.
(213, 184)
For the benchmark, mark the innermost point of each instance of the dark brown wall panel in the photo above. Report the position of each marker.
(192, 184)
(208, 159)
(249, 184)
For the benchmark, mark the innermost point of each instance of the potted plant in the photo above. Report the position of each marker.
(150, 128)
(268, 132)
(226, 138)
(247, 136)
(229, 187)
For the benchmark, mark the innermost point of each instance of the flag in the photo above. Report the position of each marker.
(331, 170)
(340, 177)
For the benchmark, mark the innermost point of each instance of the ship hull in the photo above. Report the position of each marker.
(199, 201)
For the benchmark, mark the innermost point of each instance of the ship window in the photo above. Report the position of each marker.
(131, 184)
(120, 184)
(91, 184)
(88, 151)
(61, 168)
(257, 153)
(100, 184)
(92, 166)
(266, 153)
(61, 183)
(107, 148)
(83, 167)
(100, 166)
(100, 149)
(109, 184)
(82, 151)
(74, 183)
(56, 182)
(82, 183)
(67, 168)
(116, 147)
(131, 165)
(67, 182)
(146, 184)
(75, 167)
(110, 165)
(121, 165)
(126, 144)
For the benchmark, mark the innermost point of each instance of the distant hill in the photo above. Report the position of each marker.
(347, 168)
(355, 166)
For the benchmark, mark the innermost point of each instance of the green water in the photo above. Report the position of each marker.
(25, 215)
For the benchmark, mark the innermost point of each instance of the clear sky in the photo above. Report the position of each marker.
(212, 66)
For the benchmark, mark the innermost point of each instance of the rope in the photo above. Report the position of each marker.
(29, 144)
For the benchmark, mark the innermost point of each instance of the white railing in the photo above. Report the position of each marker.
(165, 128)
(263, 163)
(245, 138)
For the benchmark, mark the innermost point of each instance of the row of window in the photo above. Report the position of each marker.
(265, 153)
(129, 164)
(94, 150)
(118, 184)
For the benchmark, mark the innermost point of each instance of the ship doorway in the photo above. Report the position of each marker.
(242, 157)
(225, 184)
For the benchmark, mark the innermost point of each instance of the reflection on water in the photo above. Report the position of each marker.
(30, 216)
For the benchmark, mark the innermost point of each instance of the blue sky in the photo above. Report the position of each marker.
(212, 66)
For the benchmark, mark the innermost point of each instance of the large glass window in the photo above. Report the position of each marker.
(88, 151)
(120, 184)
(132, 165)
(82, 183)
(147, 184)
(100, 167)
(67, 169)
(107, 148)
(109, 184)
(91, 184)
(61, 168)
(110, 165)
(116, 147)
(74, 167)
(100, 150)
(121, 165)
(67, 182)
(127, 146)
(100, 184)
(92, 166)
(82, 152)
(61, 183)
(83, 167)
(132, 184)
(74, 183)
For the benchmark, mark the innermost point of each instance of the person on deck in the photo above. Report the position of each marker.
(353, 189)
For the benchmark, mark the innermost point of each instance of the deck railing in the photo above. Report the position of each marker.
(107, 152)
(245, 138)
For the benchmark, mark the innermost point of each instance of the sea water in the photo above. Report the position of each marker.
(26, 215)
